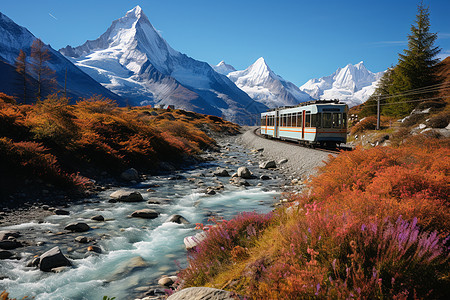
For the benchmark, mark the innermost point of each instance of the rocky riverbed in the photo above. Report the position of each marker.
(125, 240)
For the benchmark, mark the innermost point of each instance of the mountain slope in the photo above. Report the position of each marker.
(264, 86)
(352, 84)
(14, 38)
(223, 68)
(134, 61)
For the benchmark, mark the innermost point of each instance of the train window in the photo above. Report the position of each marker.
(344, 119)
(263, 121)
(337, 120)
(315, 120)
(299, 120)
(308, 119)
(326, 120)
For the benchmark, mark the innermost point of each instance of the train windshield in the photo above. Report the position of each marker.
(333, 120)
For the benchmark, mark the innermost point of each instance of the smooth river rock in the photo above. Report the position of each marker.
(201, 293)
(145, 213)
(53, 258)
(127, 196)
(243, 172)
(177, 219)
(269, 164)
(77, 227)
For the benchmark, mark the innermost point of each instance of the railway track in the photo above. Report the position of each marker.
(335, 150)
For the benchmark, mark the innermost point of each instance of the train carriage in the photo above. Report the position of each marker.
(321, 122)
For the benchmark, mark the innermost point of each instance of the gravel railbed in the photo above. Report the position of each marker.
(302, 162)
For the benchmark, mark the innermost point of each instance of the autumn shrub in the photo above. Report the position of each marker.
(226, 242)
(368, 123)
(373, 224)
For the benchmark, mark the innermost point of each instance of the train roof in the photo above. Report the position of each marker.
(334, 101)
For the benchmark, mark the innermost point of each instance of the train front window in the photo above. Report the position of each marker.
(337, 120)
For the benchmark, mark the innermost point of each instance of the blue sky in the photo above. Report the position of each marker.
(299, 39)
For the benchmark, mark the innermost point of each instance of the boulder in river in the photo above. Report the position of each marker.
(145, 213)
(77, 227)
(53, 258)
(245, 173)
(95, 249)
(192, 241)
(237, 181)
(82, 239)
(221, 172)
(268, 164)
(177, 219)
(98, 218)
(61, 212)
(5, 254)
(10, 244)
(4, 235)
(130, 175)
(197, 293)
(127, 196)
(167, 281)
(127, 267)
(264, 177)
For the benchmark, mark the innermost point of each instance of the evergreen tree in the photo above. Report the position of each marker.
(382, 90)
(415, 69)
(22, 71)
(45, 76)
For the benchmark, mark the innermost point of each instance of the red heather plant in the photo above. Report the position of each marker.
(226, 243)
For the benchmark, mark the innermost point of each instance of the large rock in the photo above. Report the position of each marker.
(167, 281)
(130, 175)
(127, 196)
(245, 173)
(269, 164)
(53, 258)
(5, 254)
(192, 241)
(221, 172)
(145, 213)
(177, 219)
(98, 218)
(4, 235)
(77, 227)
(10, 244)
(125, 268)
(201, 293)
(61, 212)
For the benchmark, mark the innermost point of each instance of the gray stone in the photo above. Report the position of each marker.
(10, 244)
(210, 191)
(4, 235)
(53, 258)
(61, 212)
(167, 281)
(267, 164)
(192, 241)
(221, 172)
(82, 239)
(5, 254)
(239, 182)
(282, 161)
(77, 227)
(130, 175)
(177, 219)
(127, 267)
(201, 293)
(145, 213)
(264, 177)
(59, 269)
(34, 262)
(95, 249)
(127, 196)
(243, 172)
(99, 218)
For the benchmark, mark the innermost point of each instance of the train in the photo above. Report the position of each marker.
(312, 123)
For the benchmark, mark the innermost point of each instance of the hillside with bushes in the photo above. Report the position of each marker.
(52, 144)
(373, 224)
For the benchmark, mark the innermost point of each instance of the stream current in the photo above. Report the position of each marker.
(135, 252)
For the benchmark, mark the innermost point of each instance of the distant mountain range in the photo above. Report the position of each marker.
(352, 84)
(134, 65)
(134, 61)
(14, 38)
(263, 85)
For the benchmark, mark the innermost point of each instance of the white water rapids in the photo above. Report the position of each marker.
(155, 244)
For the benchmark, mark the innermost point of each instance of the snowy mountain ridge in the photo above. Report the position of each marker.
(352, 84)
(264, 86)
(14, 38)
(133, 60)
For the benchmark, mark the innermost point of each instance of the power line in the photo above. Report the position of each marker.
(416, 100)
(434, 86)
(415, 93)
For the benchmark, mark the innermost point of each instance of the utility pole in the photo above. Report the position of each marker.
(378, 113)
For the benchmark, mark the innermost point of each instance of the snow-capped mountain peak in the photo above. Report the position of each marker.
(133, 60)
(352, 84)
(223, 68)
(264, 86)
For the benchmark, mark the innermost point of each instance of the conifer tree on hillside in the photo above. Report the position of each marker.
(45, 76)
(415, 70)
(22, 71)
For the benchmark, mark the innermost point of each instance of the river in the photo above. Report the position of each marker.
(135, 252)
